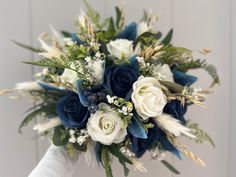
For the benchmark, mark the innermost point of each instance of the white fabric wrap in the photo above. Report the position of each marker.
(55, 163)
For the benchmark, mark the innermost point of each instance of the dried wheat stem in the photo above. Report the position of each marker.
(183, 148)
(61, 83)
(210, 89)
(5, 91)
(193, 157)
(122, 18)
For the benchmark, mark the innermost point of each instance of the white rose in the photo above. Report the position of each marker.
(148, 98)
(105, 126)
(69, 76)
(96, 68)
(120, 48)
(163, 72)
(143, 27)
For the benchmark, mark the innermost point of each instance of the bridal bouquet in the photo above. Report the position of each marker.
(115, 90)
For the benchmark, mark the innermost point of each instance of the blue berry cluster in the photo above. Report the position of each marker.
(94, 99)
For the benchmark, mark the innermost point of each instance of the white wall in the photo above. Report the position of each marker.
(232, 121)
(197, 24)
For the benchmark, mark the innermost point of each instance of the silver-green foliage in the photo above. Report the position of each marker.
(201, 136)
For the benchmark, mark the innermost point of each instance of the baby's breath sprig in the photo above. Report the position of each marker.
(124, 108)
(78, 136)
(146, 68)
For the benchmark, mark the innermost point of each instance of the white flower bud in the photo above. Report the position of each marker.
(120, 48)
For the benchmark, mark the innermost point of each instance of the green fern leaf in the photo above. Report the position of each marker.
(50, 63)
(94, 16)
(48, 96)
(181, 58)
(211, 70)
(49, 109)
(200, 64)
(172, 55)
(201, 135)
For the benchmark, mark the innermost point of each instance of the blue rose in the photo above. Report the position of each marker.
(74, 37)
(129, 32)
(183, 78)
(176, 109)
(71, 112)
(119, 79)
(139, 146)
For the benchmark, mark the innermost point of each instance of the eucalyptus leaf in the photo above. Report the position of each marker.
(111, 28)
(123, 159)
(126, 169)
(28, 47)
(170, 167)
(106, 162)
(167, 39)
(109, 34)
(60, 136)
(116, 152)
(172, 86)
(118, 17)
(65, 33)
